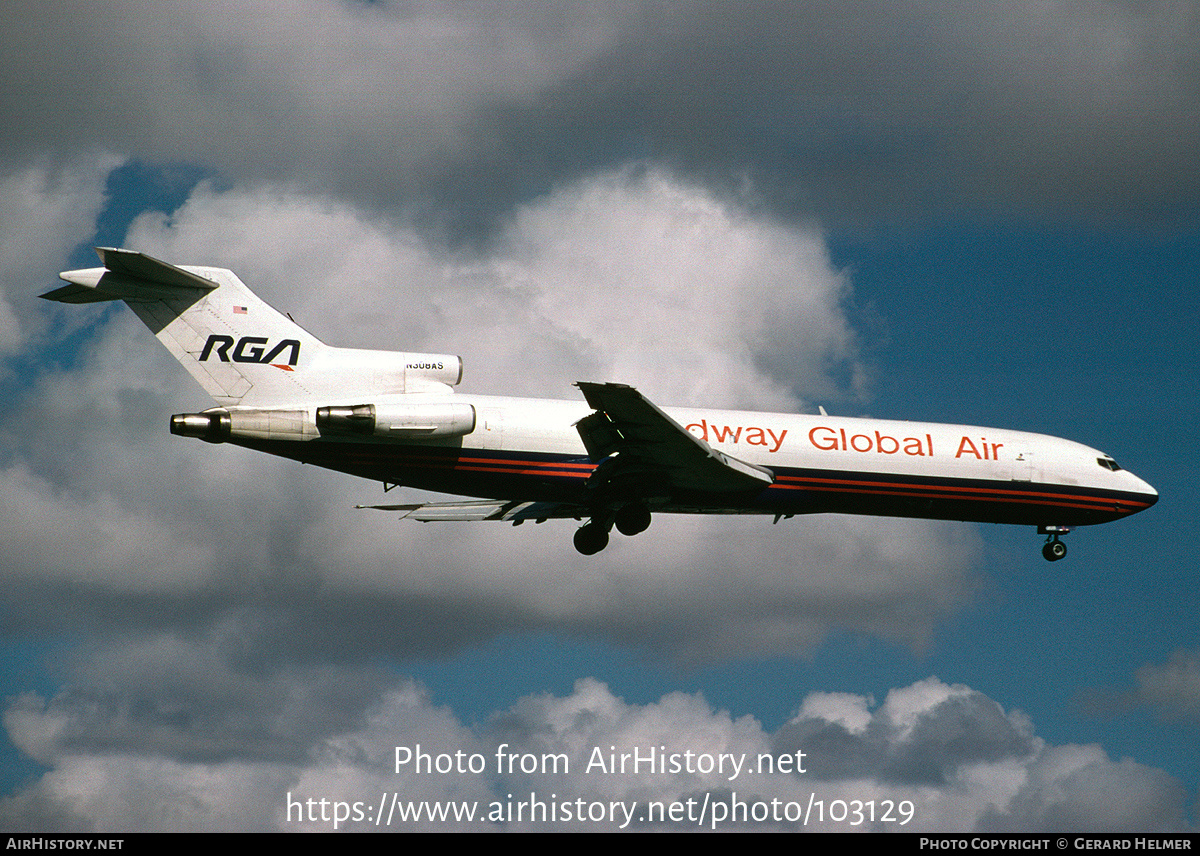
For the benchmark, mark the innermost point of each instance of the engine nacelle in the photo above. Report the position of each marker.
(377, 373)
(212, 427)
(219, 425)
(398, 420)
(440, 368)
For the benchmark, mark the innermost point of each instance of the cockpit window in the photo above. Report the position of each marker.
(1108, 464)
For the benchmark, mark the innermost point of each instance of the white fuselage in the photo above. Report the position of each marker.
(531, 448)
(614, 458)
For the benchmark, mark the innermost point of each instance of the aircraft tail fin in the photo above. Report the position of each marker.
(236, 346)
(242, 351)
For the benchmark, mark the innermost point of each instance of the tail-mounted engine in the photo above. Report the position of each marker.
(401, 421)
(218, 425)
(371, 373)
(396, 421)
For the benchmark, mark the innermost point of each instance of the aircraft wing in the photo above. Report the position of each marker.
(644, 444)
(486, 509)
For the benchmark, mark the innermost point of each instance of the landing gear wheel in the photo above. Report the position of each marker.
(1054, 550)
(590, 539)
(633, 518)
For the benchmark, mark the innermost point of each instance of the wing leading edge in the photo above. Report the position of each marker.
(639, 441)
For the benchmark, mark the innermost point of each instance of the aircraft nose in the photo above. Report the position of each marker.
(1149, 494)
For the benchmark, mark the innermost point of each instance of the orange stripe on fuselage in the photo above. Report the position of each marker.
(990, 494)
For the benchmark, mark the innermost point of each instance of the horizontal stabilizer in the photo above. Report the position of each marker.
(127, 275)
(75, 293)
(141, 266)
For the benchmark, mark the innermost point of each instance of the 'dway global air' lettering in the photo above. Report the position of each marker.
(840, 440)
(750, 435)
(837, 440)
(966, 447)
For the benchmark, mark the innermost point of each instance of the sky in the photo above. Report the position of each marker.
(985, 214)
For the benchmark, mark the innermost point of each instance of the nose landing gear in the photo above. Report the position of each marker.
(1053, 549)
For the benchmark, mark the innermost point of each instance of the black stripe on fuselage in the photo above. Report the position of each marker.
(982, 500)
(532, 476)
(446, 469)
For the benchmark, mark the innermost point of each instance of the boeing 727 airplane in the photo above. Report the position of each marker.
(613, 459)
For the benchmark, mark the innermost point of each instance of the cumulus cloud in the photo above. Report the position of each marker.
(305, 89)
(1172, 689)
(461, 110)
(631, 276)
(235, 604)
(45, 210)
(229, 601)
(935, 756)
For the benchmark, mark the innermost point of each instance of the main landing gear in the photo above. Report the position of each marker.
(1053, 549)
(630, 519)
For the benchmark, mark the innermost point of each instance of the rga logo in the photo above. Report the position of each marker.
(249, 349)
